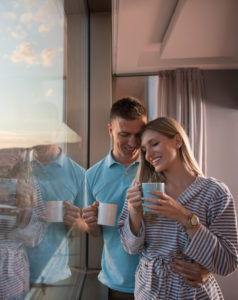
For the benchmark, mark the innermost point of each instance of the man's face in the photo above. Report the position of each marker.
(125, 135)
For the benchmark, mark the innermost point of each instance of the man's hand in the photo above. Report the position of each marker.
(72, 217)
(90, 216)
(193, 274)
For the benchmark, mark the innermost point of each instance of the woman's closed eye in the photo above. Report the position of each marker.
(155, 144)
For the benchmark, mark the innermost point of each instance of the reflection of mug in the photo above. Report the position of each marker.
(54, 211)
(146, 188)
(107, 214)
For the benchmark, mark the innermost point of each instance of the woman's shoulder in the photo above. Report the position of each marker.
(214, 185)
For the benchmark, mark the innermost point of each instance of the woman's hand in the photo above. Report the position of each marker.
(167, 207)
(133, 196)
(26, 201)
(135, 208)
(24, 195)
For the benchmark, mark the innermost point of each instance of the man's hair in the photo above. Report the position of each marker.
(128, 108)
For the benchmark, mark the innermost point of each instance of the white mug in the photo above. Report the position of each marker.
(54, 211)
(107, 213)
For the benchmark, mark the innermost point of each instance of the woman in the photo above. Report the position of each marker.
(195, 216)
(21, 223)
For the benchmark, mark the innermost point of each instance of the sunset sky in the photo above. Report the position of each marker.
(31, 57)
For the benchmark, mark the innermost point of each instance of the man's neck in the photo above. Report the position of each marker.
(126, 162)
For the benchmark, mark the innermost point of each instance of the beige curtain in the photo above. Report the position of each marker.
(181, 95)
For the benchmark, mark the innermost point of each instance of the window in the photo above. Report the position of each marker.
(43, 147)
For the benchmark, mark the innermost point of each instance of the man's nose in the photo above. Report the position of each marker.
(133, 141)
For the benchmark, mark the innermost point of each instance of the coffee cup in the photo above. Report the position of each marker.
(55, 211)
(107, 213)
(147, 187)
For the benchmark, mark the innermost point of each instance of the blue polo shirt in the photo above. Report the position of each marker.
(62, 179)
(107, 181)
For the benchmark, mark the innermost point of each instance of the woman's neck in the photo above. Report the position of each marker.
(178, 180)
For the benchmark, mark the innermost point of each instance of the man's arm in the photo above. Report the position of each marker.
(193, 273)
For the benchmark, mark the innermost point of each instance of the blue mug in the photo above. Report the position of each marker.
(146, 188)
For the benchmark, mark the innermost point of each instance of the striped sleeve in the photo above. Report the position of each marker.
(216, 245)
(32, 234)
(131, 243)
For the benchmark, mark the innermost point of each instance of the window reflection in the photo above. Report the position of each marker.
(41, 256)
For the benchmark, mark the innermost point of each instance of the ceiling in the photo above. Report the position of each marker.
(153, 35)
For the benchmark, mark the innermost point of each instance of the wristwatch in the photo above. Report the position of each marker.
(193, 220)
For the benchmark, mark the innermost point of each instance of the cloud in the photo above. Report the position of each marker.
(19, 27)
(26, 18)
(30, 3)
(25, 52)
(46, 12)
(47, 56)
(44, 28)
(49, 92)
(11, 15)
(19, 35)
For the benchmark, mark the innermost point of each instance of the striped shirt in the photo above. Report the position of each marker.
(14, 265)
(214, 245)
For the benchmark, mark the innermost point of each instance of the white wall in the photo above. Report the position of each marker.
(222, 143)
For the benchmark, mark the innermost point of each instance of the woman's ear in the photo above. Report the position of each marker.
(178, 141)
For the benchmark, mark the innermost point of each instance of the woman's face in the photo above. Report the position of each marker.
(8, 159)
(161, 152)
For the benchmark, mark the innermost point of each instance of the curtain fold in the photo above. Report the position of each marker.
(181, 95)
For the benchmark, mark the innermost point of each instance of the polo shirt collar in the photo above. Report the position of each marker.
(111, 161)
(60, 159)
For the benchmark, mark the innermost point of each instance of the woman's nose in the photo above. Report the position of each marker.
(148, 155)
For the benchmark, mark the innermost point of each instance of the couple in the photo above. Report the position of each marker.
(186, 239)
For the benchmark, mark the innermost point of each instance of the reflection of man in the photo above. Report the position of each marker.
(108, 181)
(61, 179)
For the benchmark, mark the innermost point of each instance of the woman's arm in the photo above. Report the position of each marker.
(215, 246)
(131, 225)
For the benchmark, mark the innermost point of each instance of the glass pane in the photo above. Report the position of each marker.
(41, 255)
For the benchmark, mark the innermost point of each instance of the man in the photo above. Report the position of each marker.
(108, 181)
(61, 179)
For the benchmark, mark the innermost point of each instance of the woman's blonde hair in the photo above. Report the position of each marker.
(169, 128)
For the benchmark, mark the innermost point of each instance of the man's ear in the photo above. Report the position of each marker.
(178, 141)
(109, 127)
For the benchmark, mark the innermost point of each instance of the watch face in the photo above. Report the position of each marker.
(194, 220)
